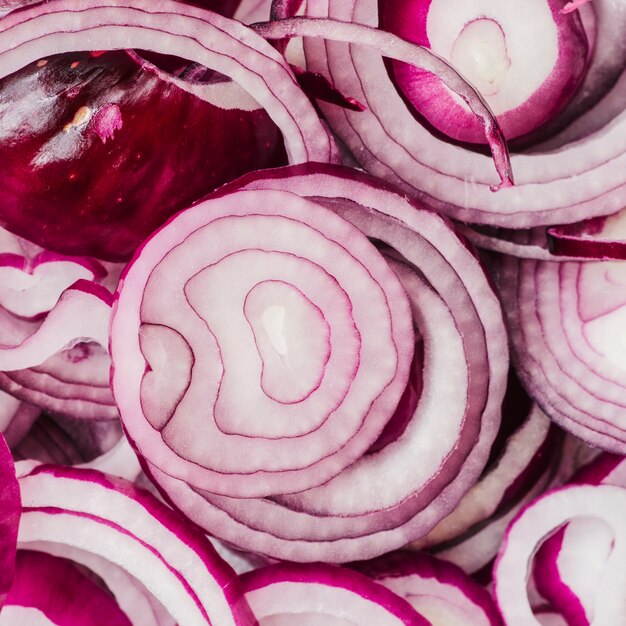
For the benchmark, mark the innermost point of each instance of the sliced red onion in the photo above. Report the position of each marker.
(55, 589)
(399, 50)
(527, 453)
(565, 323)
(548, 618)
(438, 590)
(580, 180)
(574, 5)
(10, 505)
(112, 519)
(399, 492)
(81, 314)
(525, 59)
(291, 378)
(543, 517)
(16, 418)
(316, 594)
(222, 45)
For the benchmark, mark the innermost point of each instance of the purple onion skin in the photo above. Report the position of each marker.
(10, 507)
(147, 150)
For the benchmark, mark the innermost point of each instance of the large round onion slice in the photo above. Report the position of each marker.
(9, 519)
(419, 470)
(55, 589)
(260, 344)
(312, 595)
(542, 518)
(112, 519)
(439, 591)
(577, 180)
(566, 327)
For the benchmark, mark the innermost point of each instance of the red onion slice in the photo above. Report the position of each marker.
(312, 595)
(16, 418)
(367, 509)
(55, 588)
(438, 590)
(539, 520)
(114, 520)
(303, 295)
(10, 505)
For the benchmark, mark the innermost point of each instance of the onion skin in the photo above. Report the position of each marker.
(10, 505)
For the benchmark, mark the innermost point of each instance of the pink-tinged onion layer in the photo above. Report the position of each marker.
(581, 179)
(540, 519)
(93, 126)
(259, 343)
(398, 492)
(10, 505)
(525, 58)
(566, 328)
(55, 588)
(16, 418)
(439, 591)
(315, 594)
(114, 520)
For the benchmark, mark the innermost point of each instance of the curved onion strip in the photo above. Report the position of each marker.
(58, 590)
(394, 47)
(322, 594)
(114, 520)
(438, 590)
(142, 608)
(526, 451)
(306, 293)
(541, 518)
(16, 418)
(450, 178)
(477, 549)
(81, 313)
(9, 519)
(171, 28)
(560, 321)
(385, 512)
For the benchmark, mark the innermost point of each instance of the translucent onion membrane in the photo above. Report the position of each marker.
(439, 591)
(565, 323)
(526, 59)
(108, 220)
(397, 492)
(48, 590)
(568, 567)
(578, 180)
(112, 520)
(73, 381)
(316, 594)
(10, 505)
(545, 516)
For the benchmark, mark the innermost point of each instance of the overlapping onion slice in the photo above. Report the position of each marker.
(16, 418)
(49, 591)
(399, 491)
(566, 324)
(260, 344)
(111, 519)
(542, 518)
(581, 178)
(312, 595)
(439, 591)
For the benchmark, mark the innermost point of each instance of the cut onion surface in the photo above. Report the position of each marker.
(396, 493)
(51, 590)
(438, 590)
(16, 418)
(101, 121)
(112, 519)
(539, 520)
(565, 322)
(525, 58)
(316, 594)
(576, 181)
